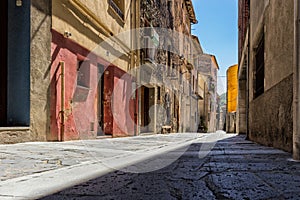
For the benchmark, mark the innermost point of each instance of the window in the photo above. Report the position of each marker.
(158, 93)
(169, 5)
(118, 6)
(83, 73)
(158, 3)
(259, 75)
(169, 61)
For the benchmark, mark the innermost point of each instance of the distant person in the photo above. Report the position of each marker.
(167, 105)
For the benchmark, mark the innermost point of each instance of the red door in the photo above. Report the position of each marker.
(107, 101)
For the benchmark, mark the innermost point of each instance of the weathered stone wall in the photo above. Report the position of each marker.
(270, 116)
(15, 135)
(40, 40)
(279, 43)
(241, 125)
(40, 68)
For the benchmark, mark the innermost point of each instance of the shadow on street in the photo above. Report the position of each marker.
(234, 169)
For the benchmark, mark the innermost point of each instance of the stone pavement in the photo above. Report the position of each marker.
(34, 169)
(173, 166)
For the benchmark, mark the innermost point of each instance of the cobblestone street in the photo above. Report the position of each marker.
(234, 169)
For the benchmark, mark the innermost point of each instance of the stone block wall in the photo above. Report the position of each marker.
(270, 116)
(40, 61)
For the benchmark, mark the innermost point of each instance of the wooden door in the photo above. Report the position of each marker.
(3, 64)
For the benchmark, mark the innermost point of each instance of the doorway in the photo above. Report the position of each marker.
(3, 64)
(100, 107)
(147, 109)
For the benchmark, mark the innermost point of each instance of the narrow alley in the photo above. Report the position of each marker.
(150, 99)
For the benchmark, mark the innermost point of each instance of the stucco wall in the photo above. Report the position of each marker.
(278, 41)
(79, 112)
(232, 88)
(40, 40)
(123, 105)
(40, 68)
(270, 116)
(91, 33)
(257, 8)
(270, 16)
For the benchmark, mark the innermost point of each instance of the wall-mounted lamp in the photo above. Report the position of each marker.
(18, 3)
(67, 34)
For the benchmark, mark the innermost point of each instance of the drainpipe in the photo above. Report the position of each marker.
(296, 76)
(134, 56)
(62, 101)
(132, 63)
(138, 64)
(99, 24)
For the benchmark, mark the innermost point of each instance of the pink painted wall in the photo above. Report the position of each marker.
(123, 105)
(81, 104)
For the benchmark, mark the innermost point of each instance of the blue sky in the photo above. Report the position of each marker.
(218, 32)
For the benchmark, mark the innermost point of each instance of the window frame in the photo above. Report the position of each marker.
(118, 7)
(83, 73)
(259, 70)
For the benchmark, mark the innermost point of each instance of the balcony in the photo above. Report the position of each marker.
(150, 45)
(149, 49)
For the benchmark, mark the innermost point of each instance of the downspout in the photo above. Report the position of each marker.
(296, 87)
(94, 19)
(138, 64)
(133, 55)
(62, 101)
(132, 27)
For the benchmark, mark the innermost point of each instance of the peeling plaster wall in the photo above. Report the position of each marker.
(40, 68)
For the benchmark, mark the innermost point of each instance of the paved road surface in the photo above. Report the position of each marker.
(174, 166)
(234, 169)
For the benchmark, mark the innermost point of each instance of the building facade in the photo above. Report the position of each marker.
(25, 78)
(92, 68)
(166, 62)
(95, 96)
(266, 72)
(232, 99)
(70, 64)
(209, 69)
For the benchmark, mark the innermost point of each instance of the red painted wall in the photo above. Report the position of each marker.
(123, 104)
(80, 103)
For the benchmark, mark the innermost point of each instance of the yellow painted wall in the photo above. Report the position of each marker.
(90, 30)
(232, 88)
